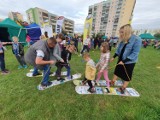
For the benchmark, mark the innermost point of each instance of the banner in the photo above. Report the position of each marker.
(87, 27)
(48, 29)
(59, 24)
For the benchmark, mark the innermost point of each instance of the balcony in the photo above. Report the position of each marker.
(120, 4)
(45, 17)
(54, 24)
(68, 27)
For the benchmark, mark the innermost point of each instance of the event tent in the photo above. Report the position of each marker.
(34, 31)
(9, 28)
(146, 36)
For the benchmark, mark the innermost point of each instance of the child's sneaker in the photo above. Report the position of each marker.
(5, 72)
(70, 77)
(20, 67)
(25, 66)
(37, 74)
(60, 79)
(91, 90)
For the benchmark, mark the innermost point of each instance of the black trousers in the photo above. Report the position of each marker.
(89, 82)
(76, 45)
(99, 44)
(21, 60)
(85, 47)
(2, 62)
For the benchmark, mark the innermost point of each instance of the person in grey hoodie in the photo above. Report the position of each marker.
(57, 54)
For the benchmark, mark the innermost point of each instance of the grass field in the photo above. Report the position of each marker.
(20, 100)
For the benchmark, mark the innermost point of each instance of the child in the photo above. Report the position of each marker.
(58, 48)
(66, 56)
(102, 65)
(57, 53)
(89, 72)
(86, 44)
(18, 51)
(2, 62)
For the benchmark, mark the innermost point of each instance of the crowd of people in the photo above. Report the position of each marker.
(154, 43)
(57, 51)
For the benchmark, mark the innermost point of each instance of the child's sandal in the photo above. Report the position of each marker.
(112, 83)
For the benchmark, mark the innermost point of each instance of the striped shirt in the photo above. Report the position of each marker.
(103, 62)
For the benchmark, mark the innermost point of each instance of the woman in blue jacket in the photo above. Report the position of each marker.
(127, 53)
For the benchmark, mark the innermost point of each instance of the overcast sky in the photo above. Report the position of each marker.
(146, 13)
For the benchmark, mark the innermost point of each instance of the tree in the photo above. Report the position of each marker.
(145, 31)
(82, 36)
(99, 35)
(93, 35)
(157, 35)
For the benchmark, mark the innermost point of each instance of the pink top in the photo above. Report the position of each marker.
(28, 38)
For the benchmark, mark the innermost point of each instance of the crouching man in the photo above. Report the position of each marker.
(38, 55)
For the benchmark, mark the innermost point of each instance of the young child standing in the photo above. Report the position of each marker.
(18, 51)
(57, 54)
(2, 60)
(102, 65)
(66, 56)
(89, 72)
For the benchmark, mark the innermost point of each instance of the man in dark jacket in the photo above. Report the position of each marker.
(38, 55)
(2, 60)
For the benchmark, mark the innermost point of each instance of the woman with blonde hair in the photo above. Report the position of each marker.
(127, 52)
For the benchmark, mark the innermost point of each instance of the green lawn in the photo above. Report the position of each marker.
(20, 100)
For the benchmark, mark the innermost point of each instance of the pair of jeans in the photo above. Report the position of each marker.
(76, 45)
(84, 48)
(59, 69)
(2, 62)
(46, 73)
(32, 42)
(21, 60)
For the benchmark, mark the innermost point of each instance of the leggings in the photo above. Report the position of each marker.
(105, 74)
(89, 82)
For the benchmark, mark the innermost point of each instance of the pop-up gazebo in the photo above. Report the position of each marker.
(8, 29)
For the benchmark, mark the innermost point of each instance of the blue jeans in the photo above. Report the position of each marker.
(32, 42)
(68, 70)
(59, 69)
(46, 72)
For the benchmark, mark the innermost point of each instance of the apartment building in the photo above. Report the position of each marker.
(109, 16)
(68, 26)
(43, 17)
(15, 16)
